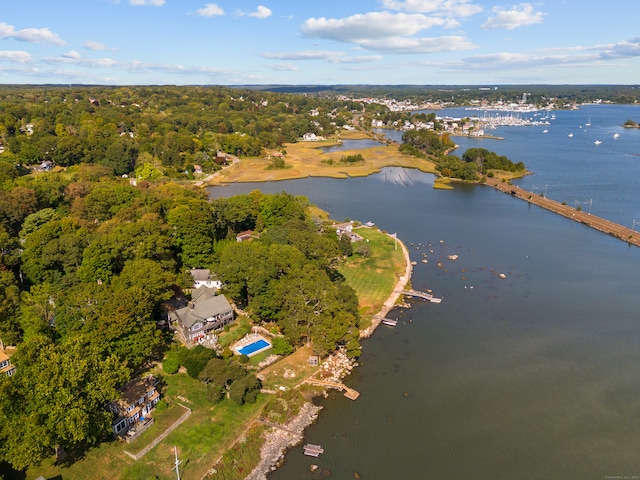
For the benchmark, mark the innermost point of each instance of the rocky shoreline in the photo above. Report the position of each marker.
(279, 440)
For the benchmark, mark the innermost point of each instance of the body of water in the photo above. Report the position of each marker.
(351, 145)
(534, 376)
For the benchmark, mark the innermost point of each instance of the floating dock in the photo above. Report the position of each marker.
(313, 450)
(424, 295)
(390, 322)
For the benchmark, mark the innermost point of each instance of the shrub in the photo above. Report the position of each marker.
(243, 358)
(162, 405)
(171, 363)
(281, 346)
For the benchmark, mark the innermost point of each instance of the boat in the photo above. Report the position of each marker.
(545, 131)
(570, 135)
(616, 135)
(588, 124)
(597, 142)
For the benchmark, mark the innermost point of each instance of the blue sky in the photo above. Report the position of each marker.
(143, 42)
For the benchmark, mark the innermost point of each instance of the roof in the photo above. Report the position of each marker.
(135, 389)
(203, 307)
(200, 274)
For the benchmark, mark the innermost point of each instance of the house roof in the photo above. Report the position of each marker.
(135, 389)
(200, 274)
(202, 308)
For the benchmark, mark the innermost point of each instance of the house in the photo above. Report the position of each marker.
(309, 137)
(202, 277)
(244, 236)
(205, 313)
(347, 229)
(132, 410)
(6, 368)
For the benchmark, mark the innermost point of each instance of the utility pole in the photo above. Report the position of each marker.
(177, 463)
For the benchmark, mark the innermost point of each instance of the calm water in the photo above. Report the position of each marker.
(536, 376)
(351, 144)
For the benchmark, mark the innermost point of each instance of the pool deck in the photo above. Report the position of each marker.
(250, 339)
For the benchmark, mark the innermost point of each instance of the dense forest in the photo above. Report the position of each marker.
(87, 264)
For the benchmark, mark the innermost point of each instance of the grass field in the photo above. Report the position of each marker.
(201, 440)
(305, 159)
(374, 277)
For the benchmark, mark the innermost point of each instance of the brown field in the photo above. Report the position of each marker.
(305, 159)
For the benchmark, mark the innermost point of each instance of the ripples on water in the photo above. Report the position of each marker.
(535, 376)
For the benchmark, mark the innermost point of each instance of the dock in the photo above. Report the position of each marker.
(424, 295)
(616, 230)
(390, 322)
(350, 393)
(313, 450)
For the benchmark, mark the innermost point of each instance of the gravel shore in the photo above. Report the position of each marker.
(280, 439)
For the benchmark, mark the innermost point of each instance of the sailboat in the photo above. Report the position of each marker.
(588, 124)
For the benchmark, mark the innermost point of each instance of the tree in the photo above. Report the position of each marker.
(56, 398)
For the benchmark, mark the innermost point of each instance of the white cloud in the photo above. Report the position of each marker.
(15, 56)
(261, 12)
(282, 67)
(517, 16)
(402, 45)
(454, 8)
(369, 26)
(145, 3)
(32, 35)
(325, 55)
(95, 46)
(304, 55)
(71, 54)
(210, 10)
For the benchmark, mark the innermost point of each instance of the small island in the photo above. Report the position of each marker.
(631, 124)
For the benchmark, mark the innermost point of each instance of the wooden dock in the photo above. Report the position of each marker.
(313, 450)
(424, 295)
(390, 322)
(598, 223)
(350, 393)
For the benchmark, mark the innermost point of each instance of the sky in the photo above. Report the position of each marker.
(240, 42)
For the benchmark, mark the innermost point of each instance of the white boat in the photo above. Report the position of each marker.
(570, 135)
(616, 135)
(545, 131)
(597, 142)
(588, 124)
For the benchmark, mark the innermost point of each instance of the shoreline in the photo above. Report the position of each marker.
(280, 440)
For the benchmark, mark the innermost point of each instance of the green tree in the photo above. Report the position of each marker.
(56, 399)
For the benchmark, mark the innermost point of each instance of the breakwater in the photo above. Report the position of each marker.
(603, 225)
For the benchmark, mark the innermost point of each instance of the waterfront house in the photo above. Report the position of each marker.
(133, 409)
(205, 313)
(347, 229)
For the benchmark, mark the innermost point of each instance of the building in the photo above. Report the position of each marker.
(133, 409)
(202, 277)
(205, 313)
(245, 236)
(6, 368)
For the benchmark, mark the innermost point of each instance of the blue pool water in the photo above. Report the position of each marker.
(254, 347)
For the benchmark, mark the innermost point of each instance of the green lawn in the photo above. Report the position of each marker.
(374, 277)
(201, 439)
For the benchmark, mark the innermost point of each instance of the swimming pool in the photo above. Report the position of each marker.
(254, 347)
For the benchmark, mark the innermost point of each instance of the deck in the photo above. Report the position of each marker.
(424, 295)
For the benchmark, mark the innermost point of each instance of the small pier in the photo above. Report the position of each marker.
(390, 322)
(424, 295)
(350, 393)
(313, 450)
